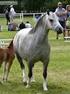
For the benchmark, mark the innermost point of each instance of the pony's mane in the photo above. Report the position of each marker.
(10, 45)
(37, 24)
(40, 20)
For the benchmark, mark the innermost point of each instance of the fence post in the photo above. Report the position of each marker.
(21, 16)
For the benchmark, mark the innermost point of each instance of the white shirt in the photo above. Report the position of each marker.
(28, 25)
(59, 11)
(12, 12)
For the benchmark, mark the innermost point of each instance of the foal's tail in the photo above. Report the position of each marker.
(11, 44)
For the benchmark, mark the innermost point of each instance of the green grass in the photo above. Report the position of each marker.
(58, 69)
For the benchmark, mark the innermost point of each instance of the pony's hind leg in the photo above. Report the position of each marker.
(22, 67)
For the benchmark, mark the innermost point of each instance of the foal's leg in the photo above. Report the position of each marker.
(1, 61)
(8, 66)
(45, 65)
(4, 70)
(22, 67)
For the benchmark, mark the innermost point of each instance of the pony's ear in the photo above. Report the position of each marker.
(42, 15)
(51, 15)
(48, 11)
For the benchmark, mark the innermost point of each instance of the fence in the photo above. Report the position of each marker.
(4, 42)
(22, 13)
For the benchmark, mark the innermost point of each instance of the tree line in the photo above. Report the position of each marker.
(35, 5)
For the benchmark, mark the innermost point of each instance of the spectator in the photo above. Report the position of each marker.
(68, 10)
(68, 21)
(62, 15)
(12, 13)
(28, 25)
(21, 26)
(7, 11)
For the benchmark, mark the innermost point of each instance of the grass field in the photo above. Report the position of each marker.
(58, 69)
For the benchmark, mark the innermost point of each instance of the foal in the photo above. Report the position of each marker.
(7, 56)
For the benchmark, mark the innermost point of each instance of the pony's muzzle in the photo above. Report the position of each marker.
(59, 29)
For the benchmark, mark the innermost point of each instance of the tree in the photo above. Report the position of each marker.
(34, 5)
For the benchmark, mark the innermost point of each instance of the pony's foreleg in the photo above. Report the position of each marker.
(32, 78)
(45, 76)
(30, 66)
(22, 68)
(24, 75)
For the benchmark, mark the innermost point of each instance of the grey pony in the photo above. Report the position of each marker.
(31, 44)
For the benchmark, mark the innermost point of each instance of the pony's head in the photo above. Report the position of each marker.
(52, 21)
(55, 22)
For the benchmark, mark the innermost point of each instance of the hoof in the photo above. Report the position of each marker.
(4, 80)
(45, 89)
(27, 86)
(1, 82)
(33, 80)
(25, 83)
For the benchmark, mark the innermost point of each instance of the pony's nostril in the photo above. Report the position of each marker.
(59, 30)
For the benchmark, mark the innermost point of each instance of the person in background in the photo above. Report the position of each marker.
(12, 13)
(22, 26)
(28, 25)
(68, 10)
(68, 21)
(7, 11)
(62, 15)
